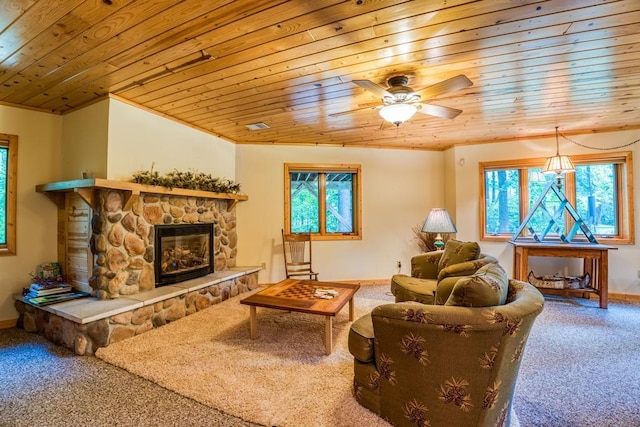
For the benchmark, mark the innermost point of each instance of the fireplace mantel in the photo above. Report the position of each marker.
(85, 189)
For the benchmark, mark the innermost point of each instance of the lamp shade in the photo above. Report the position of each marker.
(559, 165)
(439, 221)
(398, 113)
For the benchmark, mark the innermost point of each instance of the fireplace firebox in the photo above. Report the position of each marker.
(182, 252)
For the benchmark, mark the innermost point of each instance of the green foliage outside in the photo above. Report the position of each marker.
(596, 200)
(339, 202)
(4, 159)
(305, 206)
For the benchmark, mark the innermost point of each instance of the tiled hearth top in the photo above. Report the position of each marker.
(85, 310)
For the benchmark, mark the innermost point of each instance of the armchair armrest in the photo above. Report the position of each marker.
(425, 266)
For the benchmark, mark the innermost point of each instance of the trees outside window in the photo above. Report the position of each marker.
(8, 174)
(596, 190)
(323, 200)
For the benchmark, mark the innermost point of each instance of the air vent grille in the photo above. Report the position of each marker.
(257, 126)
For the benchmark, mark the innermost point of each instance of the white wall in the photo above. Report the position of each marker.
(138, 138)
(84, 141)
(624, 263)
(399, 186)
(39, 160)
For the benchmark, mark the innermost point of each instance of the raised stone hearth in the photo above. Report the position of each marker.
(86, 324)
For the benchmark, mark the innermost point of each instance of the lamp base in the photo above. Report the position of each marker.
(438, 242)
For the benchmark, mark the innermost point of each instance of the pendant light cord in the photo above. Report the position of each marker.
(595, 148)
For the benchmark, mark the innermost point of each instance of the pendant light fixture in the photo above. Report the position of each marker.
(558, 164)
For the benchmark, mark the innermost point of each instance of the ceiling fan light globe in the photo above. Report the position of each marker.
(398, 113)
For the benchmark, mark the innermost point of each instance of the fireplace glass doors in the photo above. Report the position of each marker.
(182, 252)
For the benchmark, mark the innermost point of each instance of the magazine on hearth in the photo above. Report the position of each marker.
(40, 289)
(52, 299)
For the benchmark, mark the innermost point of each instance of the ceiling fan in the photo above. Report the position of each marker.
(401, 102)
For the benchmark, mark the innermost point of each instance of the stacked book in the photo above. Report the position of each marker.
(325, 293)
(49, 293)
(42, 289)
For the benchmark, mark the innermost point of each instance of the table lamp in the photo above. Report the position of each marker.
(439, 221)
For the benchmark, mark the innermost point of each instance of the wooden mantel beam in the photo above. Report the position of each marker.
(85, 188)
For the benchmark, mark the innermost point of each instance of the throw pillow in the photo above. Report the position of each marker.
(488, 287)
(456, 252)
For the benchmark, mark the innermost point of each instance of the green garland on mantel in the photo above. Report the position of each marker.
(188, 181)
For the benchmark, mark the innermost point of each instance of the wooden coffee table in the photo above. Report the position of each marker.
(297, 295)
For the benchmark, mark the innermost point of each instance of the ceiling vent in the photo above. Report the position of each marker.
(257, 126)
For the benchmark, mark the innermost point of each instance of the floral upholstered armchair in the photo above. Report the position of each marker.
(433, 274)
(445, 365)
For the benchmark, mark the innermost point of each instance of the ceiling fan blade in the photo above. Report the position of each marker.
(361, 107)
(373, 88)
(439, 111)
(450, 85)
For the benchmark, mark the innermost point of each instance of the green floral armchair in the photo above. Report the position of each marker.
(444, 365)
(433, 274)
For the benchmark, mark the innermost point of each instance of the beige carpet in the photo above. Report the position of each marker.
(282, 378)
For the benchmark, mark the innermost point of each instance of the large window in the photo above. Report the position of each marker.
(600, 190)
(323, 199)
(8, 173)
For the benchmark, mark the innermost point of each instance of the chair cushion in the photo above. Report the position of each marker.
(407, 288)
(361, 339)
(456, 252)
(486, 288)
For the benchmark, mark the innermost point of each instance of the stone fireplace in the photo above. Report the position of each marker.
(107, 240)
(123, 241)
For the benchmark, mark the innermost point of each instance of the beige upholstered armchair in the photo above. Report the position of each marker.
(445, 365)
(438, 270)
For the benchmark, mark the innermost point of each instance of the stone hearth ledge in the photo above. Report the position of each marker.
(86, 324)
(90, 309)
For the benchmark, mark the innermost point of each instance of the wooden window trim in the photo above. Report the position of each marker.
(11, 142)
(626, 221)
(354, 169)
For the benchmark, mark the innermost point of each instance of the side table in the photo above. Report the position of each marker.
(595, 262)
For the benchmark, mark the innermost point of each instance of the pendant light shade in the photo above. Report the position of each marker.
(398, 113)
(558, 164)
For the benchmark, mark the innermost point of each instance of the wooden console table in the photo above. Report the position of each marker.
(596, 263)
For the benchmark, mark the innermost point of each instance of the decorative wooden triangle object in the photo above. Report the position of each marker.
(579, 224)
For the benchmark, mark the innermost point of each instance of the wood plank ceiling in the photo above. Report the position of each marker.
(222, 65)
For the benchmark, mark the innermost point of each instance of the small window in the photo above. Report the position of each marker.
(502, 201)
(600, 190)
(8, 174)
(323, 200)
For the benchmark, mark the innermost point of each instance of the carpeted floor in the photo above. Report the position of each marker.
(578, 370)
(283, 378)
(581, 366)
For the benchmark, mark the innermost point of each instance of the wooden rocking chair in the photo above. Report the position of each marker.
(297, 255)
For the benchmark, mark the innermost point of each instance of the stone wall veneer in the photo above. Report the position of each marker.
(122, 240)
